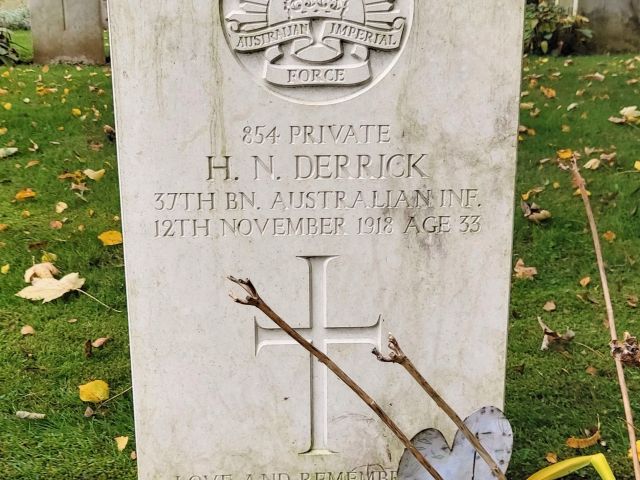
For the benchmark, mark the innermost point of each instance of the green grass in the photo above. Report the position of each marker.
(549, 394)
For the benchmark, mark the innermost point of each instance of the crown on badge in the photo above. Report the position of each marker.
(315, 8)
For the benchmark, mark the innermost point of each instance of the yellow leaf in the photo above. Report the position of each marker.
(3, 130)
(7, 106)
(48, 257)
(609, 236)
(48, 289)
(111, 237)
(566, 129)
(76, 112)
(5, 269)
(637, 448)
(577, 193)
(548, 92)
(559, 470)
(24, 194)
(556, 185)
(585, 281)
(637, 165)
(94, 392)
(565, 154)
(45, 69)
(121, 442)
(3, 227)
(61, 207)
(551, 457)
(580, 443)
(94, 175)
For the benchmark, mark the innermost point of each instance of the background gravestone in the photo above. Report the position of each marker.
(67, 31)
(356, 159)
(615, 24)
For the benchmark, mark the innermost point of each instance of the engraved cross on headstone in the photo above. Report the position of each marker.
(321, 335)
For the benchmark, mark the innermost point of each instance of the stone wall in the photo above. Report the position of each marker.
(615, 23)
(12, 4)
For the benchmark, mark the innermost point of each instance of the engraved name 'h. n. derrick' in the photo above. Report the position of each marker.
(321, 335)
(316, 42)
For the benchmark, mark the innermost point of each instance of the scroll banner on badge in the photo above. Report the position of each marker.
(359, 34)
(300, 75)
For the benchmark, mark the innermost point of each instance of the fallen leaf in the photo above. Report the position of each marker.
(3, 227)
(48, 257)
(100, 342)
(551, 457)
(45, 69)
(40, 270)
(121, 443)
(593, 164)
(96, 146)
(631, 114)
(49, 289)
(134, 455)
(593, 371)
(89, 412)
(532, 192)
(72, 320)
(7, 106)
(27, 330)
(111, 237)
(580, 443)
(609, 236)
(584, 282)
(632, 301)
(534, 213)
(24, 194)
(566, 129)
(61, 207)
(94, 392)
(628, 350)
(524, 272)
(56, 224)
(572, 106)
(565, 154)
(88, 349)
(76, 112)
(94, 175)
(550, 306)
(630, 453)
(598, 77)
(32, 163)
(637, 165)
(609, 157)
(30, 415)
(548, 92)
(5, 269)
(81, 187)
(7, 152)
(617, 120)
(551, 337)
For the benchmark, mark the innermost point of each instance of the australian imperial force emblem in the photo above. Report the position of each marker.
(317, 43)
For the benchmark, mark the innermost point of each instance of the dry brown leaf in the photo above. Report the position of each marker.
(534, 213)
(584, 282)
(3, 227)
(551, 457)
(72, 320)
(551, 337)
(56, 224)
(632, 301)
(524, 272)
(593, 164)
(30, 415)
(88, 349)
(598, 77)
(609, 236)
(548, 92)
(134, 455)
(89, 412)
(61, 207)
(550, 306)
(49, 289)
(100, 342)
(593, 371)
(580, 443)
(40, 270)
(27, 330)
(628, 350)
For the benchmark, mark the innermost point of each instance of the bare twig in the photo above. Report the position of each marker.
(581, 184)
(398, 356)
(253, 299)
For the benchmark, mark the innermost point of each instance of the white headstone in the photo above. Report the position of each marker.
(67, 31)
(356, 160)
